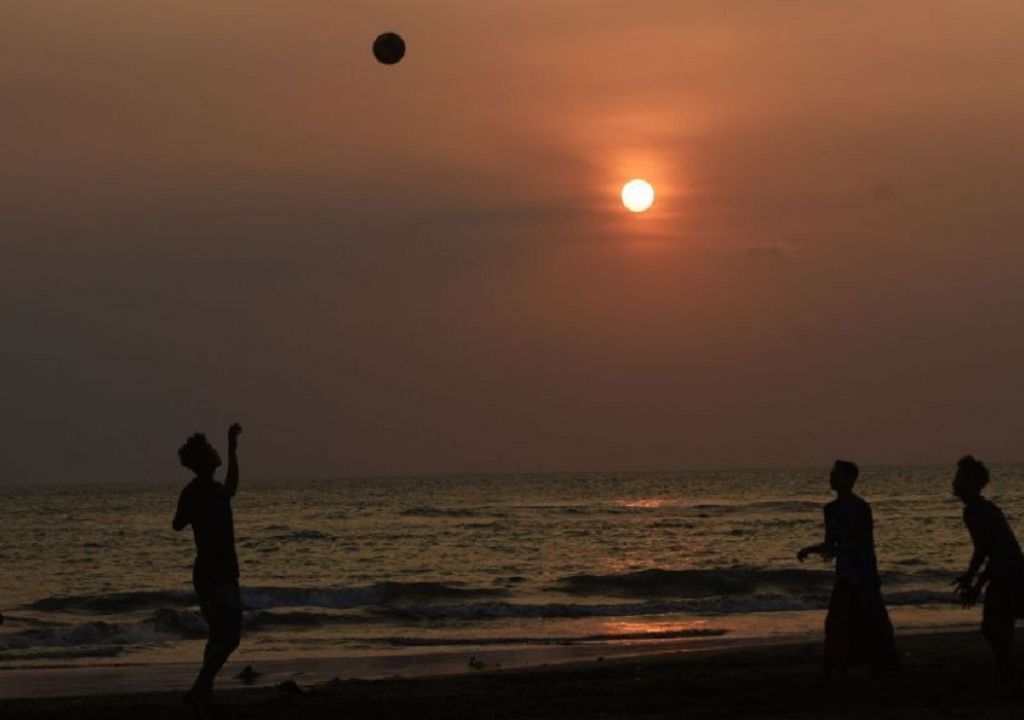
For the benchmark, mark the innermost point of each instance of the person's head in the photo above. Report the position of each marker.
(198, 455)
(971, 477)
(843, 476)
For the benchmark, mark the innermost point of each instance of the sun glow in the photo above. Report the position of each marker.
(638, 195)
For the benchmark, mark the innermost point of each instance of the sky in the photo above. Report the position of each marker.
(220, 211)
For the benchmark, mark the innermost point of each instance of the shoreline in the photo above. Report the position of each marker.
(945, 674)
(57, 682)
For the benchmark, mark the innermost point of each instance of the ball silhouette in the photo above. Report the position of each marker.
(389, 48)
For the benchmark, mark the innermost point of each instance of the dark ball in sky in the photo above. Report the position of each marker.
(389, 48)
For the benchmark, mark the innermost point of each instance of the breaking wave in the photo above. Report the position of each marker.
(111, 603)
(384, 593)
(695, 583)
(169, 624)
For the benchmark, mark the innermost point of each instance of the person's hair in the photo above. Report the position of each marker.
(972, 473)
(846, 470)
(195, 452)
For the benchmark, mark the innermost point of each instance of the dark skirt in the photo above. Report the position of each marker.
(857, 627)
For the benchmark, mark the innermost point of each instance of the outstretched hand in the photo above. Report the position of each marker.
(969, 596)
(968, 590)
(233, 432)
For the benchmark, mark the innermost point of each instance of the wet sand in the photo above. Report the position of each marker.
(944, 675)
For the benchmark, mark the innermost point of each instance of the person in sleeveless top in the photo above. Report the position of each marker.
(205, 504)
(857, 626)
(997, 564)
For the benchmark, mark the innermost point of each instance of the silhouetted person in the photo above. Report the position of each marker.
(857, 627)
(995, 548)
(205, 504)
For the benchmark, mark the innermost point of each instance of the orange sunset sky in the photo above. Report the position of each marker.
(226, 210)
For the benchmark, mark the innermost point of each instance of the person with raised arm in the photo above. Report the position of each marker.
(857, 626)
(997, 564)
(205, 504)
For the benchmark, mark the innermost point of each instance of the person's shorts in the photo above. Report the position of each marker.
(1003, 605)
(220, 601)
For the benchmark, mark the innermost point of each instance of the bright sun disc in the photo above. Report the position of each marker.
(637, 195)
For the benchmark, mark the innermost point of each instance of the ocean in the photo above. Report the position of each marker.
(399, 566)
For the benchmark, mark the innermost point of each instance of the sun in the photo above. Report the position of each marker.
(638, 195)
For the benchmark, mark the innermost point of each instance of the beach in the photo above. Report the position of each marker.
(645, 595)
(944, 675)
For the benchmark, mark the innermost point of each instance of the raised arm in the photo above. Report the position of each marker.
(231, 479)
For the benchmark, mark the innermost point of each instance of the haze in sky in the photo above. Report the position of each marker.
(221, 211)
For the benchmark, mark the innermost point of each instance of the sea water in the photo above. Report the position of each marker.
(386, 566)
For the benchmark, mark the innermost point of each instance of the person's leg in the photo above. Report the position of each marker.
(224, 616)
(839, 636)
(997, 627)
(231, 626)
(881, 649)
(203, 686)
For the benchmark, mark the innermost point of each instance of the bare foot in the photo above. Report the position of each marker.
(201, 705)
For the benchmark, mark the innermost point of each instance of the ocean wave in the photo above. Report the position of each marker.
(99, 638)
(95, 633)
(554, 640)
(658, 582)
(505, 610)
(70, 653)
(761, 506)
(282, 536)
(925, 575)
(563, 509)
(190, 624)
(714, 582)
(786, 505)
(652, 584)
(383, 593)
(432, 512)
(713, 606)
(921, 597)
(110, 603)
(30, 622)
(672, 523)
(177, 623)
(493, 525)
(165, 624)
(299, 535)
(265, 619)
(910, 562)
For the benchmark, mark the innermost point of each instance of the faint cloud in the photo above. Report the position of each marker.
(883, 191)
(768, 251)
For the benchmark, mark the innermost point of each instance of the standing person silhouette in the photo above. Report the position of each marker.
(205, 504)
(857, 627)
(995, 547)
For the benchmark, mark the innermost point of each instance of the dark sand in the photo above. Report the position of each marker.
(944, 675)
